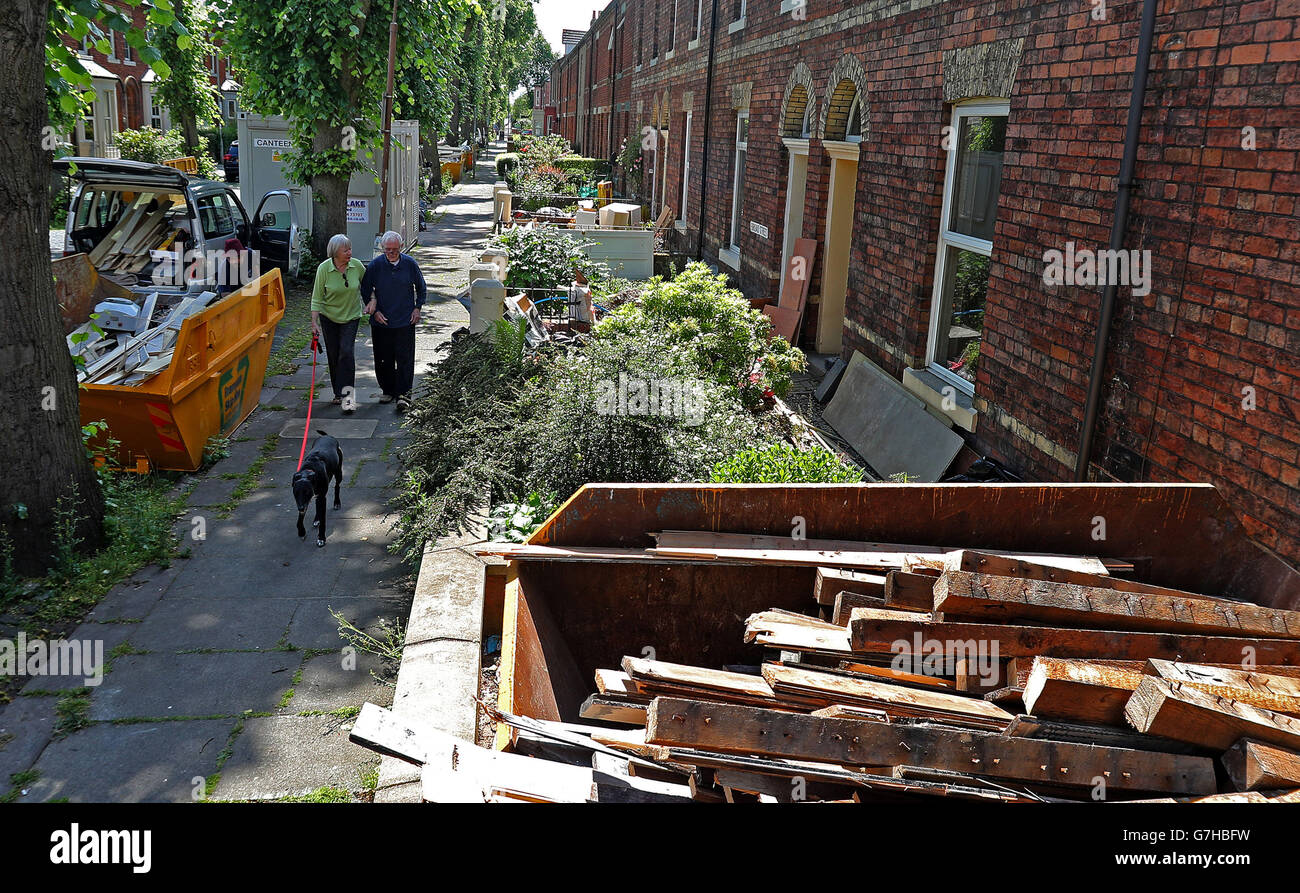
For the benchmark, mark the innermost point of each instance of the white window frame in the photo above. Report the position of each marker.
(855, 106)
(686, 172)
(672, 32)
(739, 23)
(737, 182)
(948, 239)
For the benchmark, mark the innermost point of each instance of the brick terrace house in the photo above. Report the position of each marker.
(946, 157)
(124, 91)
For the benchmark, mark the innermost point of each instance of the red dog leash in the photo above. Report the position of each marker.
(311, 398)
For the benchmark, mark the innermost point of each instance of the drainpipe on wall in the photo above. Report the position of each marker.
(1119, 229)
(708, 122)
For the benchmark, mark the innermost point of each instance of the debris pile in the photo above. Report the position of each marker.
(125, 343)
(916, 671)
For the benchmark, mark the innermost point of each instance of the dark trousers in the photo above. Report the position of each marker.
(394, 358)
(340, 349)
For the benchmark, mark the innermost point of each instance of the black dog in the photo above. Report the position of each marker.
(325, 461)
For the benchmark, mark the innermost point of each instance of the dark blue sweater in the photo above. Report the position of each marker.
(398, 288)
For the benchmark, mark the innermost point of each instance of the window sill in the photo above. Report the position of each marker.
(730, 257)
(737, 25)
(935, 391)
(679, 225)
(668, 55)
(694, 44)
(653, 62)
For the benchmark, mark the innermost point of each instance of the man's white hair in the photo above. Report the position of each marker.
(336, 244)
(391, 236)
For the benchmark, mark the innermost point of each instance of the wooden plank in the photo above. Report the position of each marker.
(697, 677)
(959, 594)
(846, 601)
(612, 710)
(616, 683)
(889, 674)
(1281, 694)
(745, 730)
(893, 699)
(1107, 736)
(1079, 690)
(909, 592)
(1256, 766)
(831, 580)
(869, 635)
(853, 711)
(1178, 711)
(978, 562)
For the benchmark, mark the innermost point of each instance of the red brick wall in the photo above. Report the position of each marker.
(1221, 222)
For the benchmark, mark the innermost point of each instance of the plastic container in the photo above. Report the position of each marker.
(212, 384)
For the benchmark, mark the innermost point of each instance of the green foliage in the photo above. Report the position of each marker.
(545, 258)
(150, 145)
(781, 463)
(495, 422)
(728, 341)
(631, 161)
(515, 522)
(587, 168)
(324, 65)
(67, 82)
(186, 90)
(506, 162)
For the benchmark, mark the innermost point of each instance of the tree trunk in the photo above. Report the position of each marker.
(329, 196)
(190, 133)
(40, 430)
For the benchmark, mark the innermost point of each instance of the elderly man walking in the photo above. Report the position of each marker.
(393, 291)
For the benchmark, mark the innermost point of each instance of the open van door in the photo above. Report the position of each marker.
(275, 231)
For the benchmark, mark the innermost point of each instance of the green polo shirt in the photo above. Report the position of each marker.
(338, 295)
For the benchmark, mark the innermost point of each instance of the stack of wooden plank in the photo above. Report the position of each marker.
(142, 228)
(925, 670)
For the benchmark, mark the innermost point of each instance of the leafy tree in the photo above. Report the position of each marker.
(323, 65)
(186, 90)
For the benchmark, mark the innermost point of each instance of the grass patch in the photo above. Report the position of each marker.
(289, 693)
(19, 780)
(139, 513)
(325, 794)
(73, 712)
(338, 712)
(297, 321)
(356, 472)
(248, 480)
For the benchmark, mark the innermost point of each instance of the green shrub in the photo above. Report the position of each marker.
(587, 168)
(495, 421)
(506, 162)
(780, 463)
(730, 342)
(545, 258)
(150, 145)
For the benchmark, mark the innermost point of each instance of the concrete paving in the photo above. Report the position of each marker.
(229, 662)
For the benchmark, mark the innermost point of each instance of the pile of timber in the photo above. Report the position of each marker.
(130, 357)
(917, 672)
(143, 228)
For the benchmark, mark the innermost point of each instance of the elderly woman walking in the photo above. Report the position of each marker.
(336, 311)
(394, 290)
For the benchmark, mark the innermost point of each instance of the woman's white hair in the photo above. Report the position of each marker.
(336, 244)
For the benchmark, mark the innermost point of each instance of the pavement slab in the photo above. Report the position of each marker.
(314, 627)
(152, 686)
(164, 762)
(179, 624)
(288, 756)
(340, 679)
(93, 643)
(26, 726)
